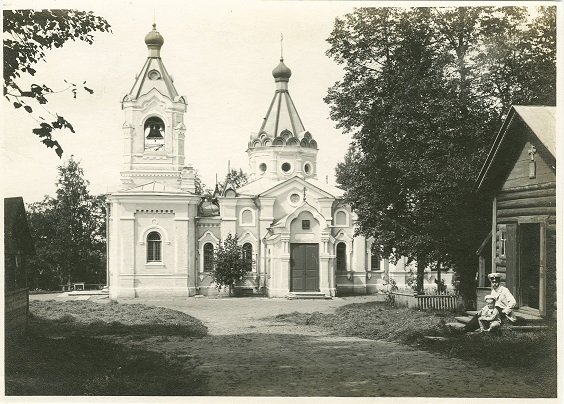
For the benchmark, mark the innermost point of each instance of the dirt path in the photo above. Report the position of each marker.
(246, 355)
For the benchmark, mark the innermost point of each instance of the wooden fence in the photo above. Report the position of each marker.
(426, 302)
(16, 311)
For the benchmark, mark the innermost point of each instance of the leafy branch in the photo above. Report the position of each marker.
(27, 36)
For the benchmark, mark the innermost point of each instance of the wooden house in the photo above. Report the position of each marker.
(519, 178)
(18, 246)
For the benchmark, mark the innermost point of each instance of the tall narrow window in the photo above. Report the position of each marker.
(341, 257)
(374, 261)
(154, 247)
(248, 252)
(208, 257)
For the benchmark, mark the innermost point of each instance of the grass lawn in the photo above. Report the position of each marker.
(537, 352)
(71, 349)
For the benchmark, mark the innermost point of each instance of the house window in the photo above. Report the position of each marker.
(305, 225)
(248, 252)
(341, 257)
(154, 247)
(208, 257)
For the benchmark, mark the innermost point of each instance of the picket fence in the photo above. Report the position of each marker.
(436, 302)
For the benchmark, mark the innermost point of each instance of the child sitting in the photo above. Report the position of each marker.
(489, 318)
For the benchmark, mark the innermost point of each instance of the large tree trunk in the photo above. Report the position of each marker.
(421, 264)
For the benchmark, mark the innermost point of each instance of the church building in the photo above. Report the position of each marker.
(295, 228)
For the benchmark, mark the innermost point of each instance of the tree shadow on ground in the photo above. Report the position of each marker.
(70, 359)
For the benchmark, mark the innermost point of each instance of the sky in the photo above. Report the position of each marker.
(221, 58)
(221, 55)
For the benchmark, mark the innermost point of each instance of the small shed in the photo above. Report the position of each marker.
(18, 247)
(519, 178)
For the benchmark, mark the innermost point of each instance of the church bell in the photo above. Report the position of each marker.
(154, 132)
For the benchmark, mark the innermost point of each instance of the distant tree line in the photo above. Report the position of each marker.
(69, 233)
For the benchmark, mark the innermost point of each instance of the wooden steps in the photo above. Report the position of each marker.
(526, 322)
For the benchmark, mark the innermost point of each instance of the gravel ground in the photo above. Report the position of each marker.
(248, 355)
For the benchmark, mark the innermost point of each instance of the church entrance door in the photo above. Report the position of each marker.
(304, 267)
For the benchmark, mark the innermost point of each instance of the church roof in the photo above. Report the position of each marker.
(153, 74)
(264, 185)
(155, 188)
(281, 222)
(330, 189)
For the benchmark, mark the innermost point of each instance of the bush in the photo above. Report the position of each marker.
(229, 264)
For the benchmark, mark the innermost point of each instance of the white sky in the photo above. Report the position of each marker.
(221, 58)
(221, 55)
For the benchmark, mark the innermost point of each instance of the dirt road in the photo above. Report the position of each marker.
(247, 355)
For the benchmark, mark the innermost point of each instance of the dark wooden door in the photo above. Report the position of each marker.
(529, 264)
(512, 260)
(304, 267)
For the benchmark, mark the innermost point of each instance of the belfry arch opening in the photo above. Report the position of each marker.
(154, 128)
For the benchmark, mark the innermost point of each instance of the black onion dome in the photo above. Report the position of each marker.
(281, 71)
(154, 38)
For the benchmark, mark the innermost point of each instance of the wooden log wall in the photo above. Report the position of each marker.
(529, 200)
(16, 311)
(524, 196)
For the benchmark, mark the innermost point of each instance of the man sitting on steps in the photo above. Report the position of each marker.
(504, 303)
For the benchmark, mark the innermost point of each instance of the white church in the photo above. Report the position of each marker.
(296, 228)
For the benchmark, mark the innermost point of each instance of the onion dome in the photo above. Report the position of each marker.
(154, 38)
(281, 72)
(208, 208)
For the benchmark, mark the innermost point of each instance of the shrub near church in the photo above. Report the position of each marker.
(230, 264)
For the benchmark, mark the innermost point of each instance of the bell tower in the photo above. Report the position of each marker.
(153, 131)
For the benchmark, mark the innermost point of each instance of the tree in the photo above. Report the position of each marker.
(69, 232)
(27, 35)
(237, 178)
(229, 263)
(201, 188)
(415, 96)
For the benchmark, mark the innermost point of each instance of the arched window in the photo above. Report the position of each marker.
(208, 257)
(248, 252)
(154, 247)
(341, 218)
(154, 128)
(341, 257)
(247, 217)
